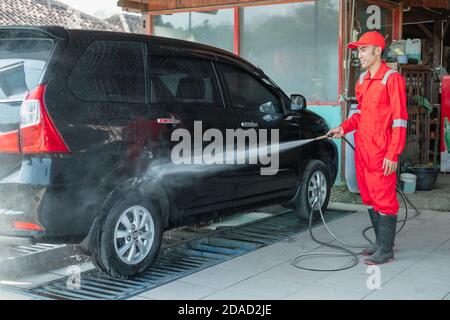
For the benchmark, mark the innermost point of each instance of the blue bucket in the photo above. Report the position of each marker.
(409, 182)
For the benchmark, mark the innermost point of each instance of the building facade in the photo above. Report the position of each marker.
(301, 45)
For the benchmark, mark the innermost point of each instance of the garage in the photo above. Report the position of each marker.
(181, 150)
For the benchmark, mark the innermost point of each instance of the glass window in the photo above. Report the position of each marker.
(296, 45)
(250, 93)
(183, 80)
(110, 71)
(370, 17)
(22, 63)
(214, 28)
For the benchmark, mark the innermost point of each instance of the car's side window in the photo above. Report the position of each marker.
(247, 92)
(110, 71)
(183, 80)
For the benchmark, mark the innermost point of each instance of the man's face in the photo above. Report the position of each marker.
(368, 55)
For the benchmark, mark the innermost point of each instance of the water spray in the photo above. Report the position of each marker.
(206, 164)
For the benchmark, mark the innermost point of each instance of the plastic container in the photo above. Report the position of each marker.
(426, 176)
(402, 59)
(397, 45)
(414, 49)
(350, 171)
(408, 182)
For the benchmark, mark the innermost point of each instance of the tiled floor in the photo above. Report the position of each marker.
(420, 270)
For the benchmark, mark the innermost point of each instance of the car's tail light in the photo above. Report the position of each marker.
(38, 134)
(27, 226)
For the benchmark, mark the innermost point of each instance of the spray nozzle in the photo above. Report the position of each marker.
(325, 136)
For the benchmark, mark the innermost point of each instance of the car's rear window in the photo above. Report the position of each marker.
(22, 63)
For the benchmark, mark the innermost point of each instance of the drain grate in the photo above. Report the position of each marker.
(186, 258)
(32, 249)
(13, 252)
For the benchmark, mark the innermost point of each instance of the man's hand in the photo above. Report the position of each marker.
(389, 166)
(337, 132)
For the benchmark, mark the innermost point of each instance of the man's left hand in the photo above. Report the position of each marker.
(389, 166)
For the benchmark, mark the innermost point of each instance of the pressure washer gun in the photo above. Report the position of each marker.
(330, 135)
(326, 136)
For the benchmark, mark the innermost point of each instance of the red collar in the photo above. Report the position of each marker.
(380, 73)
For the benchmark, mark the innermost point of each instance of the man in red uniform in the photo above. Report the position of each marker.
(381, 121)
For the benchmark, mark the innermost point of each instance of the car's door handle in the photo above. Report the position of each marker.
(249, 124)
(168, 121)
(291, 117)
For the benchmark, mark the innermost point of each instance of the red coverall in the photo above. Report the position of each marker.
(381, 122)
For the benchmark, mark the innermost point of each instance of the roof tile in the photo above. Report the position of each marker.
(49, 12)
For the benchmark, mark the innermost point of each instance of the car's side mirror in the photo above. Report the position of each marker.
(298, 102)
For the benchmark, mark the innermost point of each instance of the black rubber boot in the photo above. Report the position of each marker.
(386, 236)
(374, 218)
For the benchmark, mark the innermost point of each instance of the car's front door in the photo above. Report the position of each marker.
(259, 109)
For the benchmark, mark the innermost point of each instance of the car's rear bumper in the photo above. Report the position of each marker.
(43, 199)
(11, 235)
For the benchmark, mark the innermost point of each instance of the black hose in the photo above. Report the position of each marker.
(346, 252)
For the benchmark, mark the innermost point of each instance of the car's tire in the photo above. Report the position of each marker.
(302, 204)
(123, 247)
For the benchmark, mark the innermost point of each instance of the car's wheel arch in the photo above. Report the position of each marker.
(146, 189)
(325, 151)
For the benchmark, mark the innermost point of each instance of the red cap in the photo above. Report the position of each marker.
(371, 38)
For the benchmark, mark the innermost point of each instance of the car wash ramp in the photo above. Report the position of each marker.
(197, 250)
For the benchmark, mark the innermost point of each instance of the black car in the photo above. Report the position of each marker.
(86, 124)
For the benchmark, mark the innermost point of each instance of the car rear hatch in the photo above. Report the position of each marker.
(25, 56)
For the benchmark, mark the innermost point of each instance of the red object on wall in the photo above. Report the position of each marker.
(445, 124)
(397, 24)
(237, 31)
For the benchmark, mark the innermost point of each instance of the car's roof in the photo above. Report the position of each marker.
(36, 31)
(61, 32)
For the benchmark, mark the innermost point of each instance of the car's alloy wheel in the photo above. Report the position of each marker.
(128, 237)
(317, 189)
(315, 184)
(134, 235)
